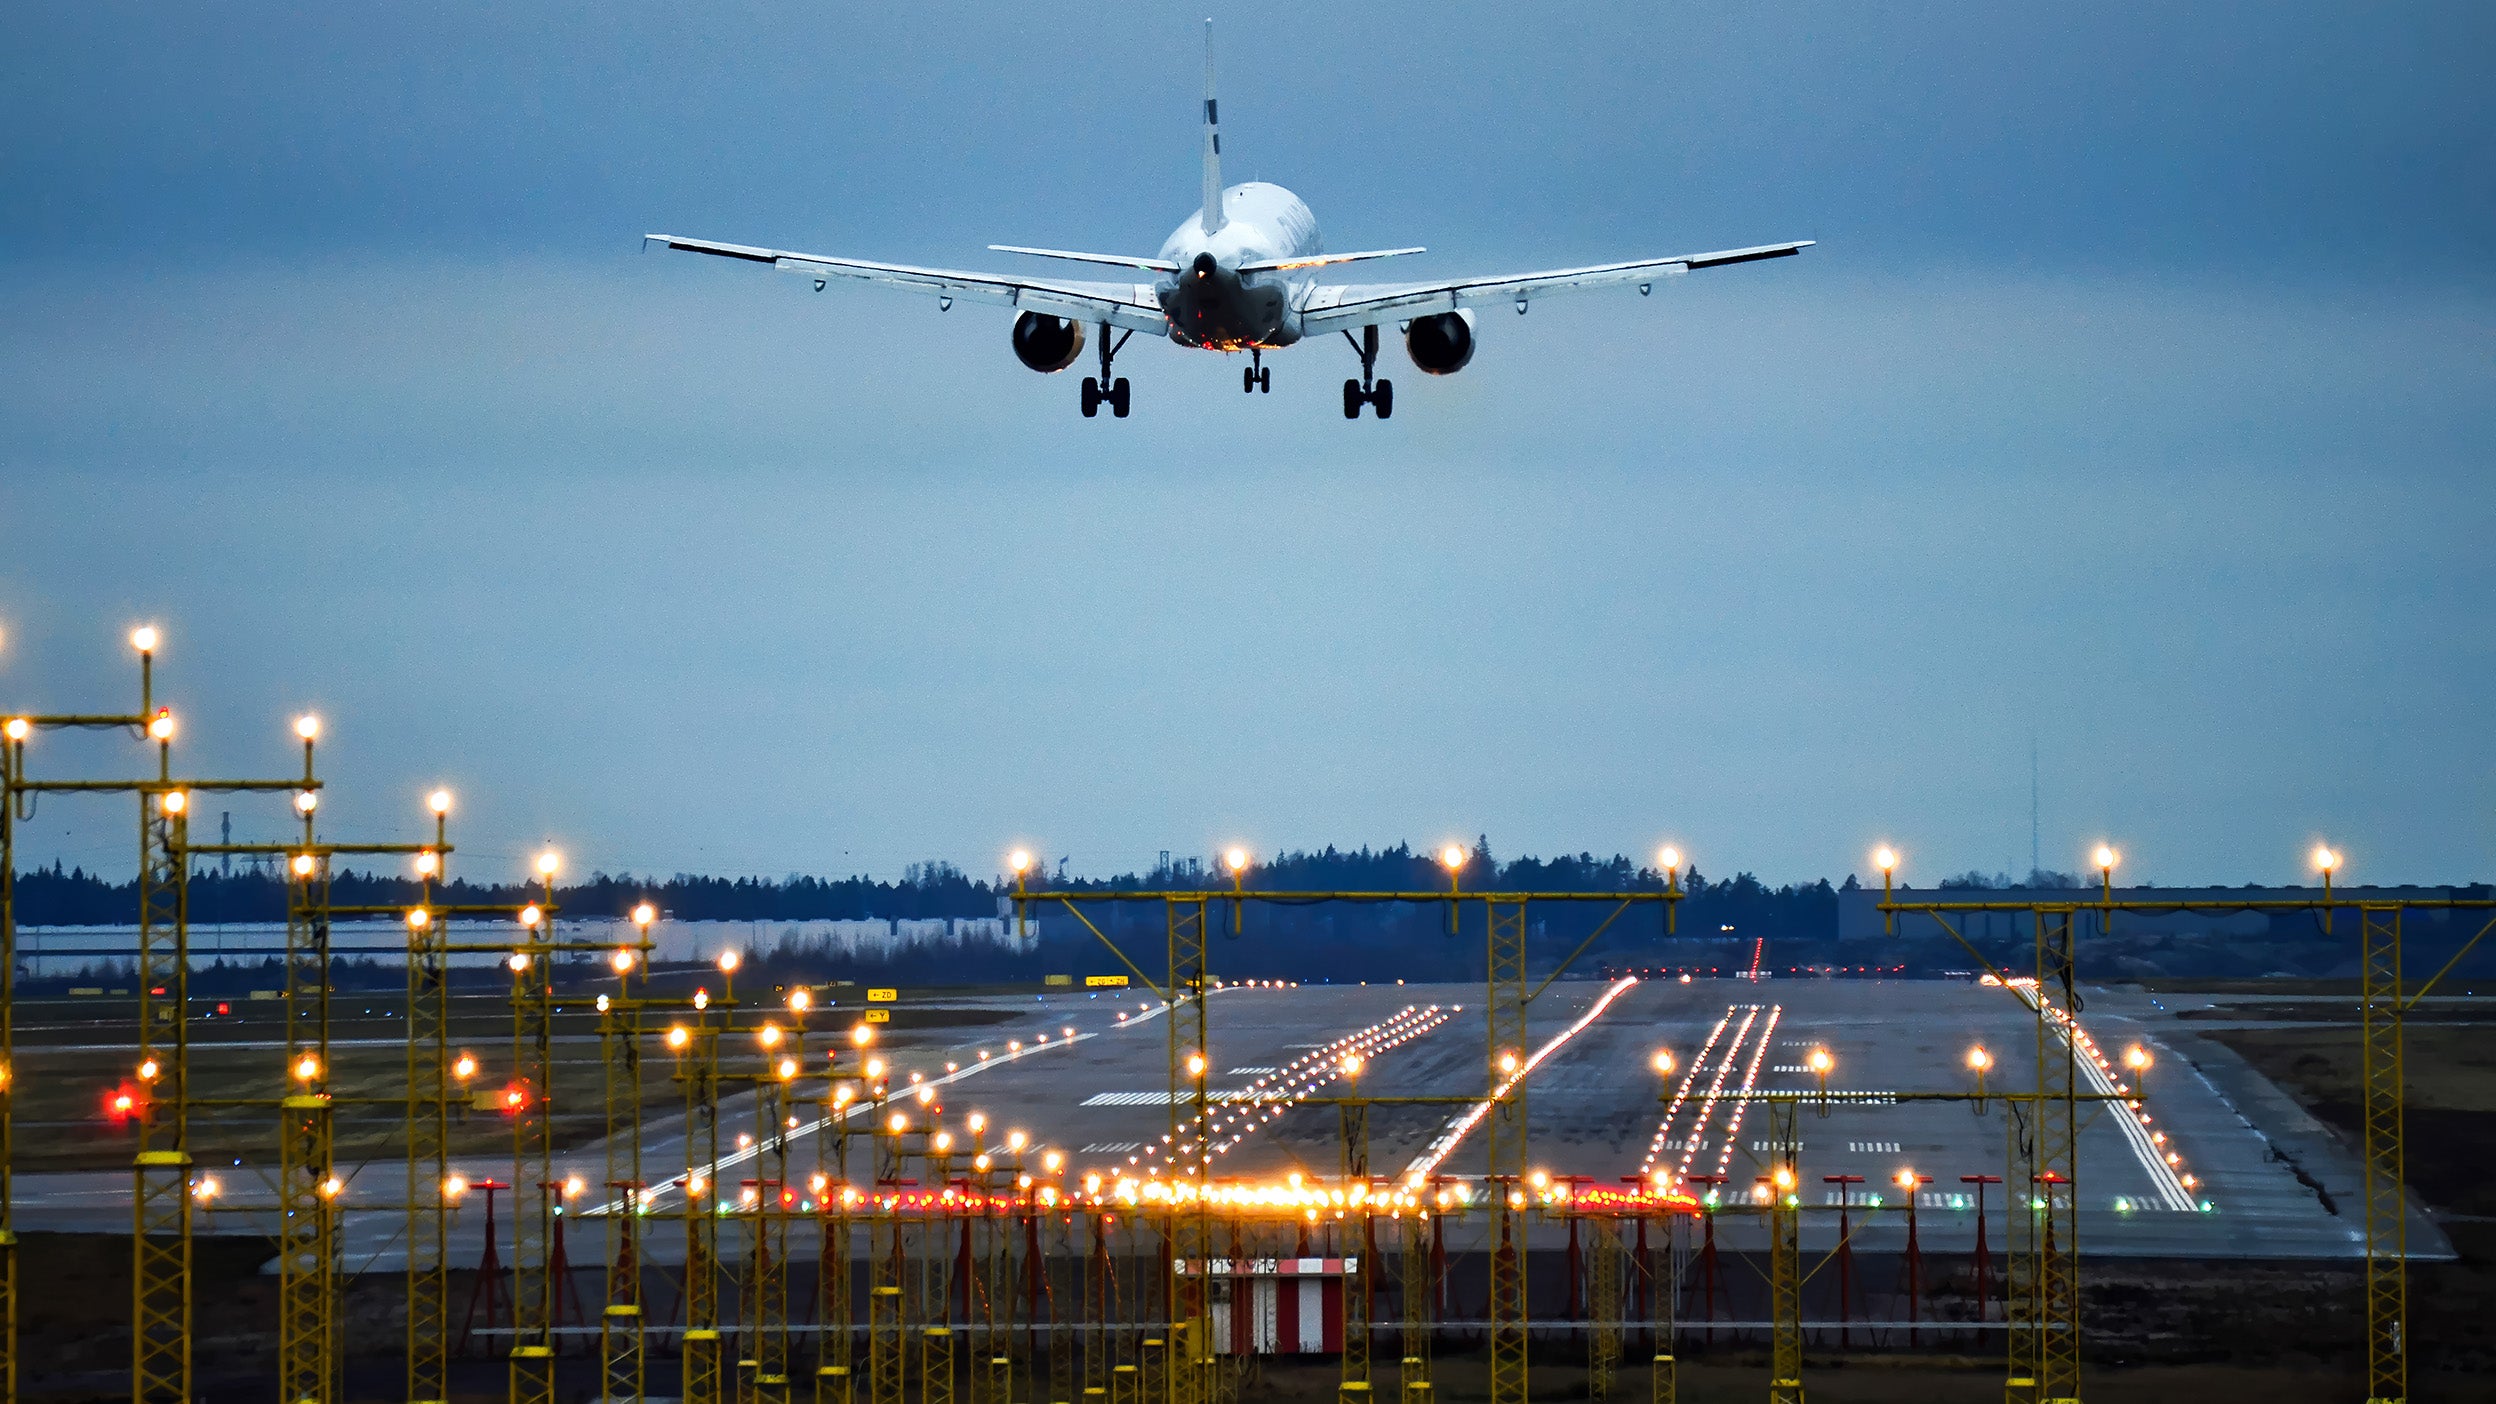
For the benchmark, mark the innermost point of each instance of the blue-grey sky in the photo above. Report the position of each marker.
(2138, 399)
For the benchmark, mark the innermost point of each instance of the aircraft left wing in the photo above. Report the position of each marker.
(1132, 306)
(1348, 305)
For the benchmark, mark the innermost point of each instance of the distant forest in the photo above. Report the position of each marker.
(1334, 941)
(58, 896)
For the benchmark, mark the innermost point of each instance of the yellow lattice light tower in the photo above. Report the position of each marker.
(162, 1182)
(622, 1344)
(2051, 1352)
(433, 1079)
(534, 1193)
(1419, 1288)
(694, 1042)
(309, 1206)
(1781, 1191)
(1195, 1374)
(1603, 1304)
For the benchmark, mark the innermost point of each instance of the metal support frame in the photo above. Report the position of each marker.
(1194, 1362)
(160, 1246)
(1785, 1269)
(622, 1343)
(534, 1195)
(1603, 1303)
(698, 1069)
(307, 1234)
(2387, 1219)
(1505, 1142)
(1418, 1291)
(428, 1163)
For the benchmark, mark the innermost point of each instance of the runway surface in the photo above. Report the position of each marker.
(2250, 1178)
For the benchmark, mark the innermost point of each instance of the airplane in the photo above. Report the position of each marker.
(1233, 277)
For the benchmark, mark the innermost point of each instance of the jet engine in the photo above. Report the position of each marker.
(1047, 343)
(1439, 345)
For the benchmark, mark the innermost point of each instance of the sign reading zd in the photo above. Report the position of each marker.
(879, 1016)
(875, 996)
(1106, 982)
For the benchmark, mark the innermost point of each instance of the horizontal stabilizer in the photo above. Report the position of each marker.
(1148, 265)
(1280, 265)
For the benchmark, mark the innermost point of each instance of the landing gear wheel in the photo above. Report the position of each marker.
(1352, 398)
(1265, 380)
(1382, 399)
(1118, 398)
(1247, 380)
(1091, 397)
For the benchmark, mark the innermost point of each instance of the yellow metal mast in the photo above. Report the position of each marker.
(2387, 1219)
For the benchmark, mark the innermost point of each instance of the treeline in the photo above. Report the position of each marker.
(58, 896)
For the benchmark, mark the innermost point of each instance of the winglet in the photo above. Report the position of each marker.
(1213, 219)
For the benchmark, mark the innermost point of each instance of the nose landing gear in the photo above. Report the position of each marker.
(1255, 378)
(1103, 390)
(1378, 394)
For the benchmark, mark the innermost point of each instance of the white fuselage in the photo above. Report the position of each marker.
(1211, 304)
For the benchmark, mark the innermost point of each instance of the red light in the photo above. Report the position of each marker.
(158, 990)
(122, 1105)
(515, 1098)
(224, 1008)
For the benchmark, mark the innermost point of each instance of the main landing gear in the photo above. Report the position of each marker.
(1379, 394)
(1255, 378)
(1103, 390)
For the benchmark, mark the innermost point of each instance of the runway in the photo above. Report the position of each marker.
(1083, 1075)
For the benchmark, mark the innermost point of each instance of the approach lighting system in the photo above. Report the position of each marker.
(1885, 859)
(2324, 858)
(439, 801)
(418, 918)
(1663, 1062)
(2106, 857)
(160, 727)
(1236, 860)
(549, 863)
(1451, 857)
(308, 727)
(143, 638)
(307, 800)
(645, 914)
(1668, 858)
(1020, 861)
(173, 801)
(622, 960)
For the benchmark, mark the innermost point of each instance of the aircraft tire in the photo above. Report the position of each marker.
(1351, 399)
(1091, 397)
(1382, 399)
(1247, 380)
(1118, 398)
(1265, 380)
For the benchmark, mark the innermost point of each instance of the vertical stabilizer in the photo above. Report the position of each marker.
(1213, 219)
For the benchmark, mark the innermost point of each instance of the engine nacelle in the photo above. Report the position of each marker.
(1047, 343)
(1440, 344)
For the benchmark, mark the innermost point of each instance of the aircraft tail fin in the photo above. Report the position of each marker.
(1213, 217)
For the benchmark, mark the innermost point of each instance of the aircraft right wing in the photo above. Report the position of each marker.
(1344, 306)
(1132, 306)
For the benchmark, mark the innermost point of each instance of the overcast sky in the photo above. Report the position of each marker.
(2138, 400)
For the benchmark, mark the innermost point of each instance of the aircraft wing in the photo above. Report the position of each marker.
(1132, 306)
(1348, 305)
